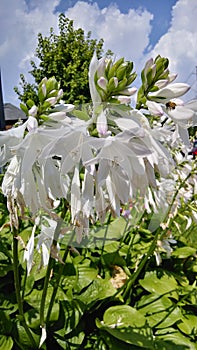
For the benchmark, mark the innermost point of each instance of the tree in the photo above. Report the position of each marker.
(65, 56)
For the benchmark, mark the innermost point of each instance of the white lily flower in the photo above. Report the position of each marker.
(101, 123)
(9, 139)
(29, 251)
(170, 91)
(45, 238)
(94, 64)
(154, 108)
(124, 99)
(128, 92)
(33, 111)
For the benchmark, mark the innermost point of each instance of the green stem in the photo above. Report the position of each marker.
(44, 292)
(17, 289)
(56, 285)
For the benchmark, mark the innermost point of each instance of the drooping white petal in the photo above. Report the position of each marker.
(101, 123)
(171, 91)
(92, 70)
(154, 108)
(75, 194)
(29, 251)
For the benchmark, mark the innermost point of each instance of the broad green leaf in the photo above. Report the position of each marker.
(3, 256)
(80, 114)
(188, 324)
(23, 338)
(86, 276)
(72, 312)
(5, 323)
(184, 252)
(98, 290)
(4, 269)
(6, 305)
(172, 337)
(117, 344)
(160, 312)
(114, 230)
(72, 343)
(128, 325)
(113, 259)
(70, 277)
(164, 284)
(124, 315)
(32, 318)
(6, 342)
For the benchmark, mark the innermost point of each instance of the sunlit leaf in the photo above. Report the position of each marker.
(159, 285)
(6, 342)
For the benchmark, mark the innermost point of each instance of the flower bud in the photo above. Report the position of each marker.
(33, 111)
(102, 83)
(124, 99)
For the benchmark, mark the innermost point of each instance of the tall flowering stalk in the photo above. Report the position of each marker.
(98, 159)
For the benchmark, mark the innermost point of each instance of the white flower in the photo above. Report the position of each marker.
(101, 123)
(29, 251)
(169, 92)
(94, 64)
(102, 82)
(33, 111)
(154, 108)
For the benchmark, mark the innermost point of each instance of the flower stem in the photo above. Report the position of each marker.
(48, 274)
(44, 292)
(17, 288)
(55, 288)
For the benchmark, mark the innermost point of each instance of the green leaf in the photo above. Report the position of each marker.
(6, 305)
(184, 252)
(98, 290)
(6, 342)
(32, 318)
(86, 276)
(164, 284)
(124, 315)
(117, 344)
(173, 340)
(30, 103)
(24, 108)
(5, 323)
(160, 312)
(80, 114)
(127, 324)
(71, 343)
(24, 339)
(71, 312)
(114, 230)
(188, 325)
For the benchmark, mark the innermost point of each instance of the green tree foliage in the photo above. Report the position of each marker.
(65, 56)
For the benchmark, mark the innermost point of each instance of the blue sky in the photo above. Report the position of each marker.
(135, 29)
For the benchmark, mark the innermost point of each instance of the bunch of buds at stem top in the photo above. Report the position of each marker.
(154, 76)
(49, 95)
(112, 80)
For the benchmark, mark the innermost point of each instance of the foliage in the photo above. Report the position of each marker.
(65, 56)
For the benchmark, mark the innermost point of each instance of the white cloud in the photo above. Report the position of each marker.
(125, 34)
(19, 27)
(179, 43)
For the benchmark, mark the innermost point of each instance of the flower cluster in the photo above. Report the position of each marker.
(100, 162)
